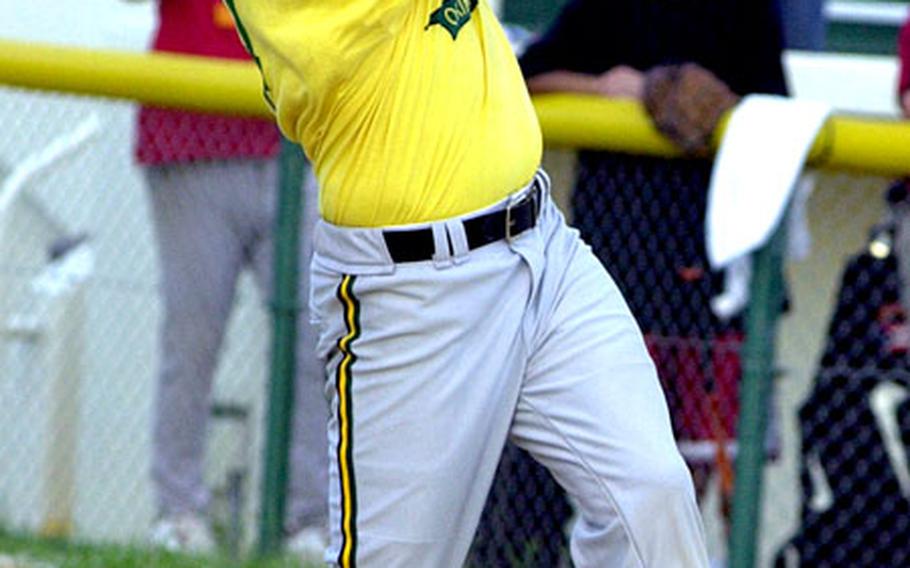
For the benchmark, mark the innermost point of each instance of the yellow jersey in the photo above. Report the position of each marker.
(409, 110)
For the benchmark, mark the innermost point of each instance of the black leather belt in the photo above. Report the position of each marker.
(418, 244)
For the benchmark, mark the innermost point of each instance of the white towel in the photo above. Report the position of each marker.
(760, 159)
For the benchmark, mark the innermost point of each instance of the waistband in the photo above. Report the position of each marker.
(365, 250)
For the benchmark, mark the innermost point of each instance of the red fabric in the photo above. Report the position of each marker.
(701, 381)
(200, 27)
(903, 51)
(197, 27)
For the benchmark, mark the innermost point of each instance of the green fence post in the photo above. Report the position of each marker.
(285, 307)
(755, 387)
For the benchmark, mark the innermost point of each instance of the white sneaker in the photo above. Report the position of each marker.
(309, 543)
(183, 533)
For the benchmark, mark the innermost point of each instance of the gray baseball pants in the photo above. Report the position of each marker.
(434, 364)
(212, 220)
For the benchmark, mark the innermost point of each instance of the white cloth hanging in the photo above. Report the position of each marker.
(761, 157)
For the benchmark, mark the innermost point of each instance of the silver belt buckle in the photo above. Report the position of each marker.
(533, 194)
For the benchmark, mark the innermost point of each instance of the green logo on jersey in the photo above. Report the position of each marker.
(452, 15)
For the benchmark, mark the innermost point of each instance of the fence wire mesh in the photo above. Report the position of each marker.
(849, 413)
(79, 334)
(80, 312)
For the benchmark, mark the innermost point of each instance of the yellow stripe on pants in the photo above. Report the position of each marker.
(346, 557)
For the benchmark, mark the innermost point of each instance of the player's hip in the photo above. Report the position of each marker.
(440, 244)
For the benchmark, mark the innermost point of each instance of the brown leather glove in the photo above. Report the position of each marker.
(686, 102)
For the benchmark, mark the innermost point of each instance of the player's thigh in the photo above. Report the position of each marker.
(424, 369)
(592, 408)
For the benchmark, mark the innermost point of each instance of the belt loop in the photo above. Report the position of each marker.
(512, 201)
(544, 179)
(442, 257)
(459, 240)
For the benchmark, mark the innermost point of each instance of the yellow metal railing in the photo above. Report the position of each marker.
(195, 83)
(871, 145)
(866, 144)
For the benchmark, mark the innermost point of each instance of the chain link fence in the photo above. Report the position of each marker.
(839, 495)
(79, 329)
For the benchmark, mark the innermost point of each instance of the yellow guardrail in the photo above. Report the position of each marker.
(872, 145)
(856, 143)
(195, 83)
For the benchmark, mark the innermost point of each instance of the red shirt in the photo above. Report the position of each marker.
(200, 27)
(903, 51)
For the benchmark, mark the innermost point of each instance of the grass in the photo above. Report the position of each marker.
(30, 552)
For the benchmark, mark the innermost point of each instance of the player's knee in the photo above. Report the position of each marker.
(655, 483)
(654, 502)
(666, 481)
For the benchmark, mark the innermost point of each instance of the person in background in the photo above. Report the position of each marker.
(644, 216)
(903, 53)
(898, 195)
(803, 24)
(212, 187)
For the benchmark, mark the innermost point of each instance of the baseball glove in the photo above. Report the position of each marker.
(686, 102)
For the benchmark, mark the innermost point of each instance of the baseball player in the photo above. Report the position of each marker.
(455, 307)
